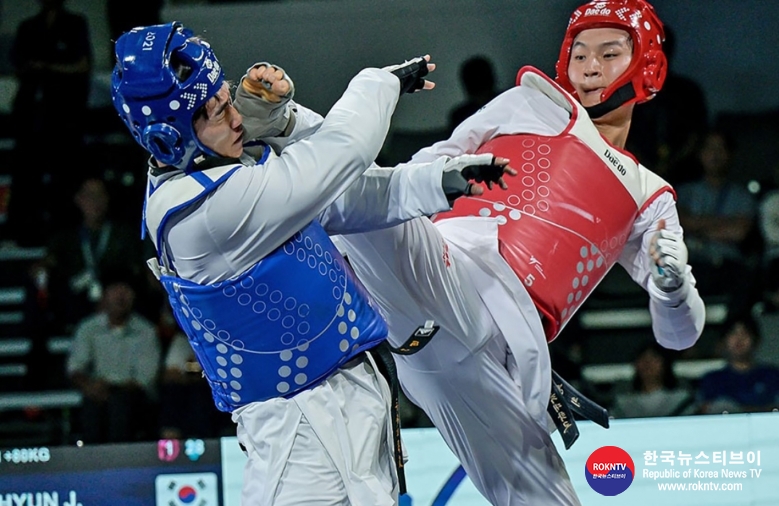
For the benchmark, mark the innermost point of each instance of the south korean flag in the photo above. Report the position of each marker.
(189, 489)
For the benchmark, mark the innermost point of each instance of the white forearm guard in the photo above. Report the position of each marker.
(678, 317)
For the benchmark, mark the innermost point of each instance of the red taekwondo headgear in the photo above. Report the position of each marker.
(648, 68)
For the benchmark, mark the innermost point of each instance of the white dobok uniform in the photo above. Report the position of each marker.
(485, 378)
(330, 444)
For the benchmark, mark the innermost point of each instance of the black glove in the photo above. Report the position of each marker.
(411, 74)
(460, 170)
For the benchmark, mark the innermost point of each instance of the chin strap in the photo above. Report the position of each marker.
(615, 101)
(202, 163)
(210, 161)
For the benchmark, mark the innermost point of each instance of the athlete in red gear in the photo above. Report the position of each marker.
(504, 271)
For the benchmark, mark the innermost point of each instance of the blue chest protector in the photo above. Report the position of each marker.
(282, 326)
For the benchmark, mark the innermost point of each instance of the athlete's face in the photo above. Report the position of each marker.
(598, 57)
(221, 128)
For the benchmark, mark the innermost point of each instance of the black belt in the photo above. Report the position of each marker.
(564, 401)
(386, 365)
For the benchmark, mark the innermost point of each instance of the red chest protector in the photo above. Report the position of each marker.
(566, 217)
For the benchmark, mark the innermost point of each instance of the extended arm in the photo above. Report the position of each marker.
(265, 204)
(384, 197)
(257, 208)
(264, 98)
(381, 197)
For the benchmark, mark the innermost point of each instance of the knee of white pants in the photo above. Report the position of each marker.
(479, 409)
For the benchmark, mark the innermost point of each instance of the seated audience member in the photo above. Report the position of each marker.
(78, 257)
(114, 361)
(743, 385)
(186, 408)
(656, 390)
(717, 215)
(769, 232)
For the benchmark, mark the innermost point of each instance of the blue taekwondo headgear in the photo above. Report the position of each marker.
(157, 105)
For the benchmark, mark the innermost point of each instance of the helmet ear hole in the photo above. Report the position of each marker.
(655, 70)
(180, 68)
(164, 143)
(160, 147)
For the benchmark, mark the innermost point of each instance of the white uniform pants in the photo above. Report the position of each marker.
(465, 379)
(327, 446)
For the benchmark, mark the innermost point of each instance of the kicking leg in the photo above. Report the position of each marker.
(478, 408)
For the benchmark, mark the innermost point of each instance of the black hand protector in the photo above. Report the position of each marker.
(481, 173)
(411, 74)
(461, 170)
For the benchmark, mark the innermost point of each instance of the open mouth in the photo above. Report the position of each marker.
(590, 97)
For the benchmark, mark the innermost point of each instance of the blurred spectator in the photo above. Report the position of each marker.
(742, 385)
(186, 407)
(52, 58)
(666, 131)
(477, 77)
(78, 257)
(656, 390)
(717, 215)
(114, 361)
(769, 231)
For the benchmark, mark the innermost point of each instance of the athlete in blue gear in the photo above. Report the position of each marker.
(277, 321)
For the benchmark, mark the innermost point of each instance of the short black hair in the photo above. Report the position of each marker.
(745, 319)
(119, 274)
(670, 381)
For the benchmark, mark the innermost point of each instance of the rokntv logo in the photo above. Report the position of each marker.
(609, 470)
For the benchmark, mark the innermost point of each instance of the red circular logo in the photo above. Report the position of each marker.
(609, 470)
